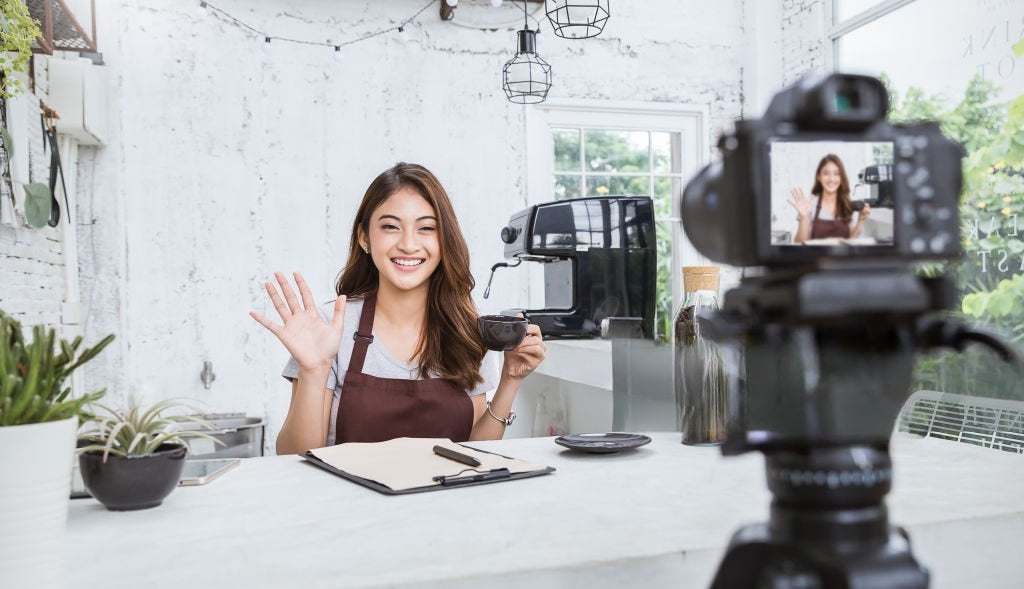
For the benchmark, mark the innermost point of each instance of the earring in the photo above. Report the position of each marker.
(366, 250)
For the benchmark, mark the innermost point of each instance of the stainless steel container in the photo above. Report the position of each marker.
(240, 437)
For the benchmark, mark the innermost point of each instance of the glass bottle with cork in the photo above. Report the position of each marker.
(698, 374)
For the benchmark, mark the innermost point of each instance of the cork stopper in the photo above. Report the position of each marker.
(700, 278)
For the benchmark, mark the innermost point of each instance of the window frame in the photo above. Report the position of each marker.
(837, 30)
(690, 121)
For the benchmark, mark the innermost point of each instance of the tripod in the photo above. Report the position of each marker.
(825, 380)
(828, 527)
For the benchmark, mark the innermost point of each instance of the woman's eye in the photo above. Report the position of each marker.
(428, 228)
(389, 227)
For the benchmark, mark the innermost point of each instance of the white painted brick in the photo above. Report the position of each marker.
(804, 41)
(32, 274)
(226, 162)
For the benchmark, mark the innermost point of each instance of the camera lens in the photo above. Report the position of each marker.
(703, 217)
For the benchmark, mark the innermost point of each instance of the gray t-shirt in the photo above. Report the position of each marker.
(379, 362)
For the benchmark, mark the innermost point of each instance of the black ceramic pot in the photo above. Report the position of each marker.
(124, 483)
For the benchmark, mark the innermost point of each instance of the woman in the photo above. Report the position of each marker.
(830, 214)
(399, 354)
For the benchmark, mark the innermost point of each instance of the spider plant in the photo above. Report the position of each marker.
(140, 430)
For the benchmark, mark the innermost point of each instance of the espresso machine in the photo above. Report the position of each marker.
(599, 261)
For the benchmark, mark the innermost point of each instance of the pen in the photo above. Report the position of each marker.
(456, 456)
(491, 475)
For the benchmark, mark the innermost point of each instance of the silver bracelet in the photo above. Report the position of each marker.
(507, 421)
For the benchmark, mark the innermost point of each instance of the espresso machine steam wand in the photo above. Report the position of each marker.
(487, 291)
(519, 260)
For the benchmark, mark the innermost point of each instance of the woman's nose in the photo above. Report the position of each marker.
(410, 242)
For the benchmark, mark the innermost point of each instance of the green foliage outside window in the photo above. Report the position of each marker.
(613, 162)
(990, 277)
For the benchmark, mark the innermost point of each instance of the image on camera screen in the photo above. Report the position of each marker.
(828, 193)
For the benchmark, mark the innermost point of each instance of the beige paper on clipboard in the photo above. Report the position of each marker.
(404, 464)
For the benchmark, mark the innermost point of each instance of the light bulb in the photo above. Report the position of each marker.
(496, 3)
(452, 3)
(201, 11)
(266, 44)
(337, 53)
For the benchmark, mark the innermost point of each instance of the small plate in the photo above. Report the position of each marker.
(605, 443)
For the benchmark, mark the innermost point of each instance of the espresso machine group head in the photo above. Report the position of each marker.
(599, 261)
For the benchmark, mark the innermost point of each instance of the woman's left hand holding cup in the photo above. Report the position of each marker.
(527, 356)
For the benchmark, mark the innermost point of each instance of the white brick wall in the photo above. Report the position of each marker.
(32, 272)
(805, 45)
(225, 162)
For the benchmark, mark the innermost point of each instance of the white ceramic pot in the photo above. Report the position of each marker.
(35, 481)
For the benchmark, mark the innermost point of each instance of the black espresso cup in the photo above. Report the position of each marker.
(501, 332)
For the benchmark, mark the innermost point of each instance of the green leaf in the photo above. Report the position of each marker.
(1000, 303)
(5, 136)
(1018, 48)
(991, 243)
(974, 303)
(37, 204)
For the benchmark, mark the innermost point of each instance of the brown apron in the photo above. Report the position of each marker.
(373, 409)
(834, 228)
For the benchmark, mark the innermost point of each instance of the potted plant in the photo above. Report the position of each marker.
(132, 459)
(38, 421)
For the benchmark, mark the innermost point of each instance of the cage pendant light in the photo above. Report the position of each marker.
(526, 78)
(577, 19)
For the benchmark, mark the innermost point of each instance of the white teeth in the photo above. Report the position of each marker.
(407, 262)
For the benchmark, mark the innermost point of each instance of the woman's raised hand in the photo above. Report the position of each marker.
(312, 341)
(801, 202)
(527, 356)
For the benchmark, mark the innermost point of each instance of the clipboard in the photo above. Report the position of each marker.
(452, 475)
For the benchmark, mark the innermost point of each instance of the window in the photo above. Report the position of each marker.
(953, 60)
(590, 148)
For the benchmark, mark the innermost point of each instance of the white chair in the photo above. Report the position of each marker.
(990, 423)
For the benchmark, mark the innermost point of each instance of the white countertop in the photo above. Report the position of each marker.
(586, 361)
(659, 516)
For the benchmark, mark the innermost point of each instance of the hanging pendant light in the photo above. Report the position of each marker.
(526, 78)
(577, 19)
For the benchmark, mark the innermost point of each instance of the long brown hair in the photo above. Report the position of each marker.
(844, 208)
(450, 344)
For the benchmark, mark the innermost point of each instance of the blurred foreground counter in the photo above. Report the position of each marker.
(658, 516)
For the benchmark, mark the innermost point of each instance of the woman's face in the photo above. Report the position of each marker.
(403, 240)
(829, 177)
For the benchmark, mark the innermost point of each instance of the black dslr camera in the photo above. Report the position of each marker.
(826, 330)
(732, 203)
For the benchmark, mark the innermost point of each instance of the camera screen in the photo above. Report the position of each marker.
(829, 193)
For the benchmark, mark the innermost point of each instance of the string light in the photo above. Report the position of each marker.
(578, 19)
(205, 7)
(526, 79)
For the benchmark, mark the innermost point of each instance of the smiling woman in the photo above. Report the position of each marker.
(829, 214)
(397, 354)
